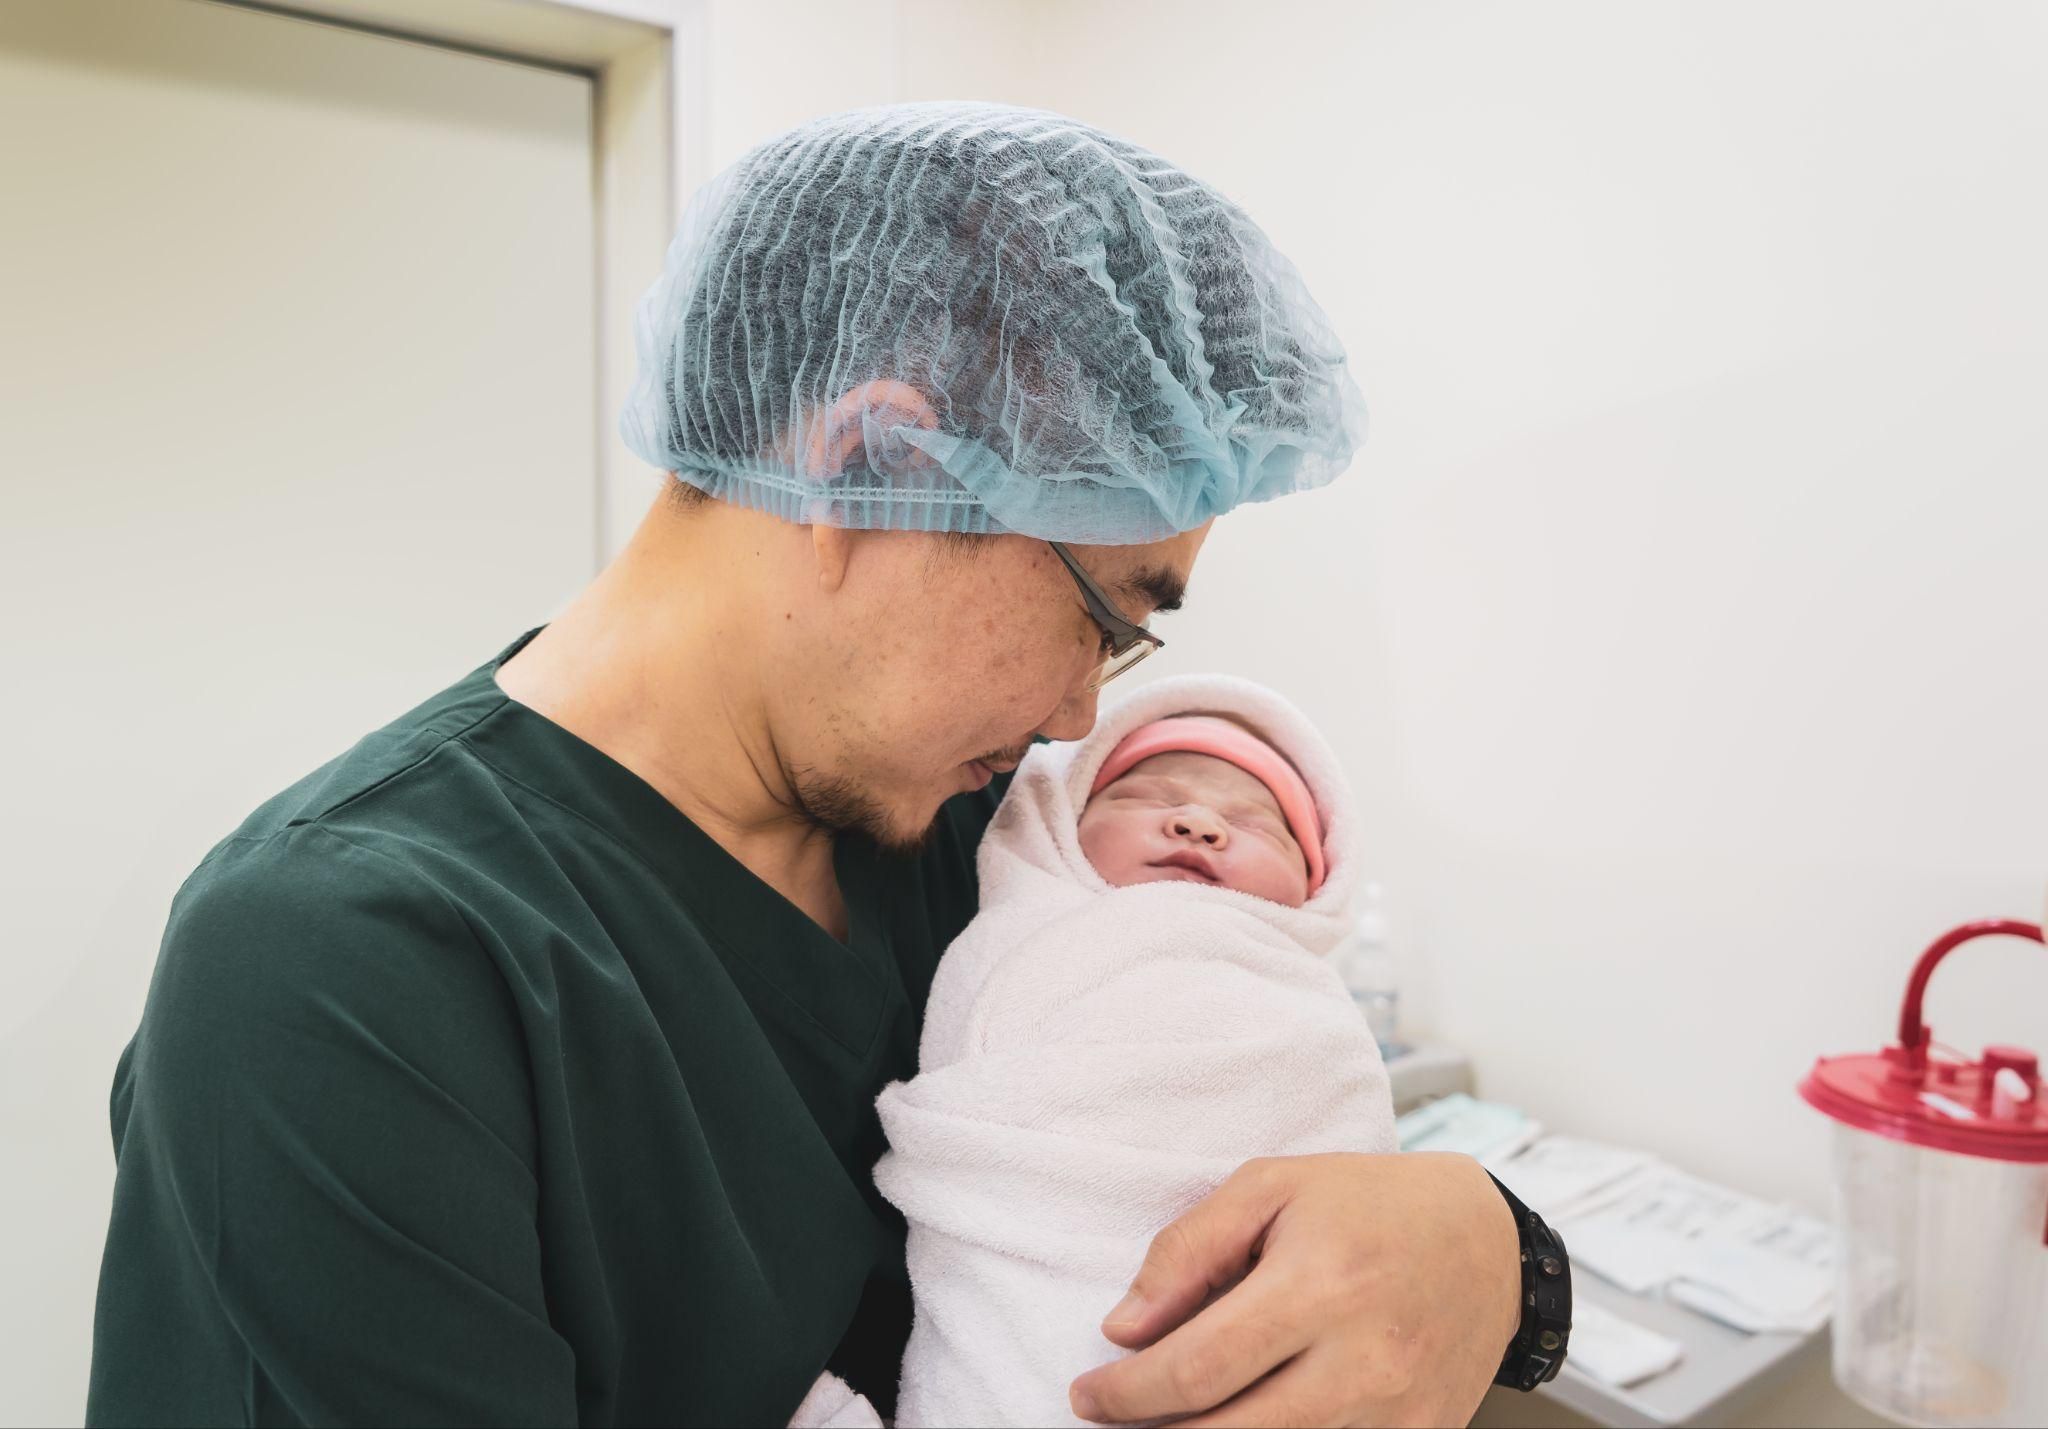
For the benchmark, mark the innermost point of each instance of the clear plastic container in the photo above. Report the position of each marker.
(1941, 1180)
(1941, 1283)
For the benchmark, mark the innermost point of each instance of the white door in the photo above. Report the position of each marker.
(297, 424)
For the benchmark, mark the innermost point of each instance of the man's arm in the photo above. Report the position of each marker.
(325, 1205)
(1374, 1289)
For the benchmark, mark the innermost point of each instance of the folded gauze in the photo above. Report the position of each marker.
(1097, 1059)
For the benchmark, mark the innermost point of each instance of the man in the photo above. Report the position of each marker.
(518, 1066)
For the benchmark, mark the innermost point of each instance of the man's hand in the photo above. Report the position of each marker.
(1344, 1289)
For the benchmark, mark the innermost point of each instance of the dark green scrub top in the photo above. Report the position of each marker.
(476, 1085)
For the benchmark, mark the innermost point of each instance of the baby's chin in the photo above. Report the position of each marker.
(1147, 873)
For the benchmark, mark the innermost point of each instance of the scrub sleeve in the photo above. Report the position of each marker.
(477, 1085)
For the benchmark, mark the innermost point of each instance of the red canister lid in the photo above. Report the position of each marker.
(1995, 1108)
(1948, 1106)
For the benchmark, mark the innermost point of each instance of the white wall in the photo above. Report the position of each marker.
(1683, 620)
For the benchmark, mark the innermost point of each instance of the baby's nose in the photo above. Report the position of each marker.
(1198, 824)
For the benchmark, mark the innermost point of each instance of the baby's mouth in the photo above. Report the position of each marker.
(1192, 863)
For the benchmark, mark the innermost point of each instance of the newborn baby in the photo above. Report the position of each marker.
(1141, 1005)
(1200, 799)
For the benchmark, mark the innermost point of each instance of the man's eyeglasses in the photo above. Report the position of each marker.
(1124, 641)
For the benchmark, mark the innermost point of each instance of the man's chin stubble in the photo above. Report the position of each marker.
(837, 805)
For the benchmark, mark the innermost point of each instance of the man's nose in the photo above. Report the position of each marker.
(1195, 824)
(1073, 719)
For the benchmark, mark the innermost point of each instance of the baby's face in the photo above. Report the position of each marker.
(1196, 819)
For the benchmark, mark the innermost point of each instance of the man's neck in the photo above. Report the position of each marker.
(652, 665)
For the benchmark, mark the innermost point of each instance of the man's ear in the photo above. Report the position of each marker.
(833, 546)
(841, 431)
(837, 436)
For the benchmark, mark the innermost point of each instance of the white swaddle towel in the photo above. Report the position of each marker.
(1097, 1059)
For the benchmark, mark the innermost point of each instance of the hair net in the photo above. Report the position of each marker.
(969, 317)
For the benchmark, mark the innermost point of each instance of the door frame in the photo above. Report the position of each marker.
(633, 53)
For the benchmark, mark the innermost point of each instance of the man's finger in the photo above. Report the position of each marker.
(1284, 1398)
(1230, 1345)
(1207, 1249)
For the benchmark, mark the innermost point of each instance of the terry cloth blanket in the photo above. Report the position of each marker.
(1095, 1060)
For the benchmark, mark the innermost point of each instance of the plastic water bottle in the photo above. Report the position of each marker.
(1367, 967)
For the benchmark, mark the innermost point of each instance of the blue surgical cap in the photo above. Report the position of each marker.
(976, 318)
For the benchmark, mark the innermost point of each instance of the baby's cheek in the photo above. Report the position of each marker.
(1108, 844)
(1281, 876)
(1293, 878)
(1091, 840)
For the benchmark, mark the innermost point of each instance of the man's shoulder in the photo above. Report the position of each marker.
(334, 874)
(404, 749)
(302, 912)
(313, 951)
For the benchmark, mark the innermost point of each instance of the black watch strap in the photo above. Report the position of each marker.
(1539, 1345)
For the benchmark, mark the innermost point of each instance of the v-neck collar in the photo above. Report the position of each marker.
(840, 987)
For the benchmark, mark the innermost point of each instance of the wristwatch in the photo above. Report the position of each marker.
(1538, 1348)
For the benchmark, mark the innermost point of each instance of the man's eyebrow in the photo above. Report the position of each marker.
(1160, 586)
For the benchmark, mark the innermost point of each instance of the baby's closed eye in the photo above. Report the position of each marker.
(1148, 791)
(1263, 822)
